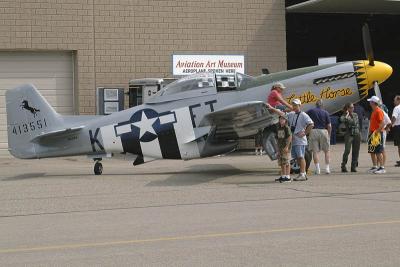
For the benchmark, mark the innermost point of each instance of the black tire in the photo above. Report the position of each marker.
(294, 167)
(98, 168)
(269, 143)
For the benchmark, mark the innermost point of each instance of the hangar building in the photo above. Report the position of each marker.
(69, 48)
(333, 28)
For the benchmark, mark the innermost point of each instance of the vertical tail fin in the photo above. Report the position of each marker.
(28, 115)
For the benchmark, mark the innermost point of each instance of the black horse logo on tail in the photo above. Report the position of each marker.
(25, 105)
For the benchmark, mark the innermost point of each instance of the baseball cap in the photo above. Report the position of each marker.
(374, 99)
(280, 85)
(296, 101)
(284, 116)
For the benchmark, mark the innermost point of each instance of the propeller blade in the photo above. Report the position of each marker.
(377, 90)
(369, 52)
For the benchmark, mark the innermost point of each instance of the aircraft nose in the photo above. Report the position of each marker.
(378, 73)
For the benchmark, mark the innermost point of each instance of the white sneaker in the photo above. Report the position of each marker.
(373, 170)
(300, 177)
(317, 171)
(380, 171)
(328, 171)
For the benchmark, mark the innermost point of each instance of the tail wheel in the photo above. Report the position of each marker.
(98, 168)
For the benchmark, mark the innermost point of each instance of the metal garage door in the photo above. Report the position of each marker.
(50, 72)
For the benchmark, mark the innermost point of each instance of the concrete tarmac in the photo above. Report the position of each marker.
(220, 211)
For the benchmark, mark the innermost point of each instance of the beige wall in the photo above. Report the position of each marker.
(117, 40)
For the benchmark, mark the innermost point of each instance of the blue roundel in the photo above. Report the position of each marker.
(143, 122)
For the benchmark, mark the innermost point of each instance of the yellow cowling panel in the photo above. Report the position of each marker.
(367, 75)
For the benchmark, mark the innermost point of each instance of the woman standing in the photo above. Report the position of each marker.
(352, 137)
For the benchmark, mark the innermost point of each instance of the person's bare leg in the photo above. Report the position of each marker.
(327, 157)
(383, 158)
(283, 170)
(302, 165)
(373, 158)
(327, 161)
(287, 169)
(315, 157)
(379, 159)
(316, 162)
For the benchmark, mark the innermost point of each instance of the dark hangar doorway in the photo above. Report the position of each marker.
(312, 35)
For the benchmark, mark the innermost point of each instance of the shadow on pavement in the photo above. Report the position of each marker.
(25, 176)
(200, 174)
(193, 175)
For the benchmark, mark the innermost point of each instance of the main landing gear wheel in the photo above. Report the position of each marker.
(98, 168)
(295, 168)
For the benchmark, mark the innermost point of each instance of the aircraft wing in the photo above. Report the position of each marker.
(239, 120)
(56, 134)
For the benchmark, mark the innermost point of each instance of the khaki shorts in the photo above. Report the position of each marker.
(283, 158)
(318, 140)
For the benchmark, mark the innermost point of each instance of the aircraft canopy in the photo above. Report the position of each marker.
(192, 82)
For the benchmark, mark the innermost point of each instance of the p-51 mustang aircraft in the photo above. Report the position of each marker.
(193, 117)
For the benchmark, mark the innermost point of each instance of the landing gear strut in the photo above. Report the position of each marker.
(98, 167)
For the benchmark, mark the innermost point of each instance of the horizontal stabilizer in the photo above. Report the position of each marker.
(56, 134)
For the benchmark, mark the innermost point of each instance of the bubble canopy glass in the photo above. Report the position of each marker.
(192, 82)
(199, 81)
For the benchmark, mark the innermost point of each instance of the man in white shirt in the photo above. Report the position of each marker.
(396, 125)
(386, 128)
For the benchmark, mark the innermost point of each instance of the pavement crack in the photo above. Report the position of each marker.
(163, 206)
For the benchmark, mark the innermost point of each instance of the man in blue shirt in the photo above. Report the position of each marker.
(320, 135)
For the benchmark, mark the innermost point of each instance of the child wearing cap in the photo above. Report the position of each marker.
(284, 137)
